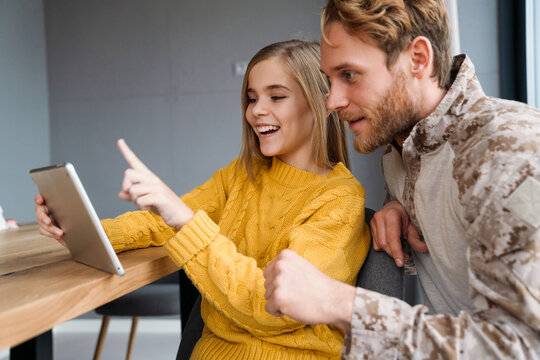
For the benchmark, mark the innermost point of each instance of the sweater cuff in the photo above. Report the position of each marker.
(196, 235)
(115, 234)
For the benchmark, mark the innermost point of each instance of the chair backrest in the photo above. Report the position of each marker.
(172, 278)
(378, 273)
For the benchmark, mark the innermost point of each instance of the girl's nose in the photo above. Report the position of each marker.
(260, 109)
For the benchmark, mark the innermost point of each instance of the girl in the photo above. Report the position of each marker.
(290, 189)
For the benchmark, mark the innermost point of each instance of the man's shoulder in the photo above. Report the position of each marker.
(496, 134)
(497, 148)
(491, 118)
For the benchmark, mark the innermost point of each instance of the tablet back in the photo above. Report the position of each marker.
(72, 211)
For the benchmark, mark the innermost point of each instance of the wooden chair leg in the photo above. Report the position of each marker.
(134, 323)
(101, 337)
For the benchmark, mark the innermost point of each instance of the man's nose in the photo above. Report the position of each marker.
(336, 99)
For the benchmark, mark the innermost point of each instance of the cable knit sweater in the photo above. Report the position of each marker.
(238, 228)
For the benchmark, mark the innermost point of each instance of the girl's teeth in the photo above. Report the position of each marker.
(263, 129)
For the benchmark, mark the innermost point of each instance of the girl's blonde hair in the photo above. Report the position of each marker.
(302, 62)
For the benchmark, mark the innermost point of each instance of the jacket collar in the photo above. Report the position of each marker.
(433, 131)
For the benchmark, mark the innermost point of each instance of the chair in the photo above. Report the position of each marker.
(378, 273)
(160, 298)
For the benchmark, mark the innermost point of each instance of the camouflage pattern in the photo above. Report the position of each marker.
(495, 170)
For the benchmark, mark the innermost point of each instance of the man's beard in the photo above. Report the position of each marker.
(395, 115)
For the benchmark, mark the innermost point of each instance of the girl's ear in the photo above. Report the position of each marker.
(421, 57)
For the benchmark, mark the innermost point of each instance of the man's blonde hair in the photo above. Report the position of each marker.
(302, 63)
(391, 25)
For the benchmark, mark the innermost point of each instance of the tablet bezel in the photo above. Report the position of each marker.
(73, 212)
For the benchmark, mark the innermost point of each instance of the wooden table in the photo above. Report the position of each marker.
(40, 286)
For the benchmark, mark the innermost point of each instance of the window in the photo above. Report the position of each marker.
(532, 14)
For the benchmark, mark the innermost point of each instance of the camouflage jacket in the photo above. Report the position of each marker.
(481, 156)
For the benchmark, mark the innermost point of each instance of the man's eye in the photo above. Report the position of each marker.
(349, 75)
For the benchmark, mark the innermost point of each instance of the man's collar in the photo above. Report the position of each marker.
(429, 133)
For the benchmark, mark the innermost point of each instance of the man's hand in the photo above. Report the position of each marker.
(387, 227)
(296, 288)
(142, 187)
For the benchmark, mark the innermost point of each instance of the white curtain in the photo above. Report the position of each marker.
(454, 25)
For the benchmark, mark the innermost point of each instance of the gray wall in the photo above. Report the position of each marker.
(24, 114)
(158, 73)
(478, 26)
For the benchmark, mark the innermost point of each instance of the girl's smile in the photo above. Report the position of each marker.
(279, 114)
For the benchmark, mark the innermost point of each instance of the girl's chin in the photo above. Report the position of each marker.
(269, 152)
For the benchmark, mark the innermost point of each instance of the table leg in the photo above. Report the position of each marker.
(38, 348)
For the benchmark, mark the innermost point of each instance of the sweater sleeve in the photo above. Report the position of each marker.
(141, 229)
(332, 235)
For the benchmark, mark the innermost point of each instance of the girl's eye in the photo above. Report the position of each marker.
(252, 100)
(277, 98)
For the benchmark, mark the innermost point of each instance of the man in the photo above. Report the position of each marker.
(463, 174)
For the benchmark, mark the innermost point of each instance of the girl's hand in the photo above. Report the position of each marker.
(142, 187)
(47, 227)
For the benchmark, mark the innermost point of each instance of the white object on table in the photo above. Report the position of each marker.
(3, 224)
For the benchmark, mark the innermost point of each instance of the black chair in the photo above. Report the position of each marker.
(378, 273)
(160, 298)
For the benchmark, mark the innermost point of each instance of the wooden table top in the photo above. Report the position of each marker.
(41, 286)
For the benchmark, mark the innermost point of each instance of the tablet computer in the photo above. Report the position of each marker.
(72, 211)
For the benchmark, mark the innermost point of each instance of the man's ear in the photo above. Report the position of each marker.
(421, 57)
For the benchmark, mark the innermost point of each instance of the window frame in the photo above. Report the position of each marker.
(532, 48)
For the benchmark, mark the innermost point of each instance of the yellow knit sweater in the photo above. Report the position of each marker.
(238, 228)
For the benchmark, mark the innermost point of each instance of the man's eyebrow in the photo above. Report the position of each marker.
(340, 67)
(343, 66)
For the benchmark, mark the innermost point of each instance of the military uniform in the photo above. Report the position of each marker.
(469, 177)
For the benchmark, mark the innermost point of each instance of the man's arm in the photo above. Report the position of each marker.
(498, 192)
(382, 327)
(503, 261)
